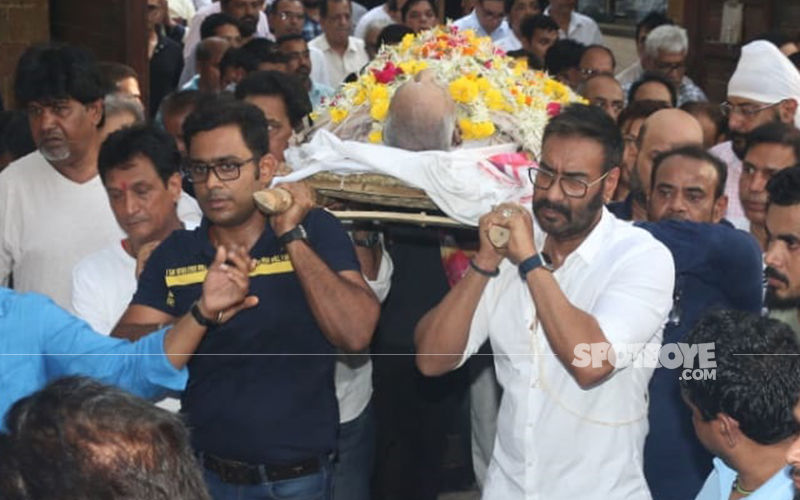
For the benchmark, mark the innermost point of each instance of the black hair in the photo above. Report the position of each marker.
(410, 3)
(264, 50)
(323, 7)
(287, 87)
(238, 58)
(393, 34)
(563, 55)
(589, 122)
(760, 388)
(203, 51)
(509, 4)
(654, 77)
(694, 152)
(651, 21)
(273, 7)
(601, 47)
(536, 22)
(775, 133)
(711, 110)
(51, 72)
(221, 112)
(122, 146)
(795, 58)
(78, 439)
(179, 101)
(290, 38)
(114, 72)
(208, 27)
(784, 187)
(639, 110)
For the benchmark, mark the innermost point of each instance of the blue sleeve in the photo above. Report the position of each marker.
(740, 255)
(151, 289)
(330, 241)
(71, 347)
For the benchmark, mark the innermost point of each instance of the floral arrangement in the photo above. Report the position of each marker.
(498, 98)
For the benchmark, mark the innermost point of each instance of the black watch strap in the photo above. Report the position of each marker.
(531, 263)
(297, 233)
(198, 316)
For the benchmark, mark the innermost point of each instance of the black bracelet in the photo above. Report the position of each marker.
(484, 272)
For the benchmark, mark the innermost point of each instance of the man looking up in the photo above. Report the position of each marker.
(783, 235)
(744, 414)
(343, 54)
(62, 91)
(716, 267)
(486, 19)
(661, 131)
(574, 25)
(312, 299)
(582, 272)
(768, 149)
(765, 87)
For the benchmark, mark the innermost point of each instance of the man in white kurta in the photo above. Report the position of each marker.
(566, 429)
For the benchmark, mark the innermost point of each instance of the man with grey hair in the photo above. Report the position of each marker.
(665, 51)
(421, 116)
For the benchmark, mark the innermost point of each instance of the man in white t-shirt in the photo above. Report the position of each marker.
(139, 169)
(53, 208)
(569, 286)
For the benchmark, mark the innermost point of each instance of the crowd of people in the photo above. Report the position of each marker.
(162, 337)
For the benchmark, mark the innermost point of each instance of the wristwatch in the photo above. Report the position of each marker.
(198, 316)
(298, 233)
(372, 240)
(531, 263)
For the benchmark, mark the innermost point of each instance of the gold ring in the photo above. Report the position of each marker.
(220, 315)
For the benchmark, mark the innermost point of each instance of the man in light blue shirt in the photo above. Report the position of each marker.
(741, 401)
(40, 342)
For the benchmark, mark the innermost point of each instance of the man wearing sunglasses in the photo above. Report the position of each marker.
(764, 88)
(261, 399)
(572, 285)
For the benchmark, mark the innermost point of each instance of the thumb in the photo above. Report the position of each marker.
(220, 256)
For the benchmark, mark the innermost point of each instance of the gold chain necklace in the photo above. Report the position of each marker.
(738, 488)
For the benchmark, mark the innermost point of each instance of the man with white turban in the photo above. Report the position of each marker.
(764, 88)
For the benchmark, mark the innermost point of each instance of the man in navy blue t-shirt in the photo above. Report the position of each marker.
(717, 267)
(260, 398)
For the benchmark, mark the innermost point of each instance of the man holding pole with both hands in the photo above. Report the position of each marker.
(572, 279)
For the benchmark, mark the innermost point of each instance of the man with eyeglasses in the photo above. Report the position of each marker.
(286, 17)
(488, 18)
(260, 398)
(765, 87)
(665, 52)
(571, 285)
(595, 60)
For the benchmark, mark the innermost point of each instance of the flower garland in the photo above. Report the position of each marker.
(491, 89)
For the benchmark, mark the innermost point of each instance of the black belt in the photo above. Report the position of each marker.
(230, 471)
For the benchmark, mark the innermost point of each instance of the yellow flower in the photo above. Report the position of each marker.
(483, 84)
(338, 114)
(475, 130)
(463, 90)
(376, 136)
(360, 96)
(494, 99)
(407, 41)
(412, 67)
(379, 109)
(378, 93)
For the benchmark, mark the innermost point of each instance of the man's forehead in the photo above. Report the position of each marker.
(771, 154)
(50, 101)
(691, 169)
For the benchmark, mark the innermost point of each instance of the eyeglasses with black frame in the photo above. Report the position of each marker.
(574, 188)
(226, 169)
(746, 110)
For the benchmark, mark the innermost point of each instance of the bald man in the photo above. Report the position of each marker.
(208, 56)
(421, 116)
(604, 91)
(663, 130)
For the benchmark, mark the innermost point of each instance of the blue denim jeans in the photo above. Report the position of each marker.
(352, 471)
(316, 486)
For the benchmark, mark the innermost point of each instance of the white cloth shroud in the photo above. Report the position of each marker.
(460, 182)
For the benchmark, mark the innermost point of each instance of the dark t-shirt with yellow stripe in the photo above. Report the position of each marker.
(261, 386)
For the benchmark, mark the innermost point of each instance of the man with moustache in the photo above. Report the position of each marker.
(342, 54)
(571, 279)
(768, 149)
(743, 415)
(783, 237)
(301, 63)
(53, 208)
(765, 87)
(266, 421)
(716, 267)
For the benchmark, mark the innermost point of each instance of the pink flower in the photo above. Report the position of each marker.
(553, 109)
(387, 74)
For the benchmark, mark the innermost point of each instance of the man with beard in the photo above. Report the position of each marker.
(782, 260)
(663, 130)
(716, 267)
(768, 150)
(249, 13)
(593, 289)
(743, 414)
(300, 63)
(53, 208)
(765, 87)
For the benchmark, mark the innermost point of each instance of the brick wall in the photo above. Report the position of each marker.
(22, 22)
